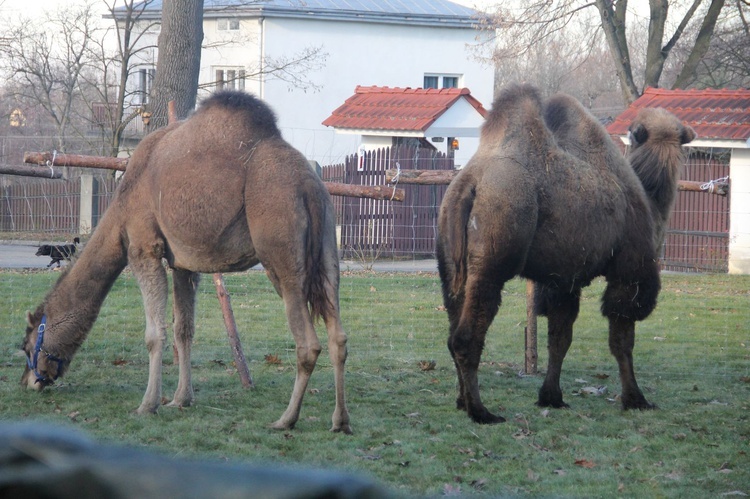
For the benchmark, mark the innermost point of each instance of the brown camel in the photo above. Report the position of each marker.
(549, 197)
(218, 192)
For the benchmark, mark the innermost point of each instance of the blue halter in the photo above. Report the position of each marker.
(38, 348)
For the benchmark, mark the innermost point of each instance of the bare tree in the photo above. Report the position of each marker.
(111, 70)
(727, 62)
(537, 21)
(46, 61)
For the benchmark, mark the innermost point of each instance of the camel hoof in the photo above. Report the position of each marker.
(281, 425)
(146, 410)
(639, 403)
(178, 405)
(486, 417)
(344, 428)
(551, 398)
(554, 404)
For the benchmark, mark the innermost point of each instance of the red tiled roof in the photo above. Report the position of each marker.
(406, 109)
(713, 114)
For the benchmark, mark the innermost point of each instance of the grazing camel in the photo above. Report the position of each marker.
(218, 192)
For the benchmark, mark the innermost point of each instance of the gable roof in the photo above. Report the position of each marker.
(714, 114)
(398, 109)
(412, 12)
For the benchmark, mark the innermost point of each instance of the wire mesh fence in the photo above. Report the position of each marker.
(395, 321)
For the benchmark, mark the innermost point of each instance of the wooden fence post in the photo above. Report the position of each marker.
(531, 352)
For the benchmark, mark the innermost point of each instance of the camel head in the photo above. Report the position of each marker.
(43, 366)
(656, 155)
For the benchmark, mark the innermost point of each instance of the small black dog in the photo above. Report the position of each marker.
(58, 252)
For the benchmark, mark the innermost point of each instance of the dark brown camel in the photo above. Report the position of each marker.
(549, 197)
(219, 192)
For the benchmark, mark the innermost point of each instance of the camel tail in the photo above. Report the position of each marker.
(455, 237)
(318, 278)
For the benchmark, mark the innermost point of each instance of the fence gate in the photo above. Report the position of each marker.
(698, 233)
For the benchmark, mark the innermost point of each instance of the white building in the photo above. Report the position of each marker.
(419, 43)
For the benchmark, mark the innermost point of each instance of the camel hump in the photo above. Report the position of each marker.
(254, 111)
(511, 109)
(563, 113)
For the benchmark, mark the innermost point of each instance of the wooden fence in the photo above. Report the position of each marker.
(380, 228)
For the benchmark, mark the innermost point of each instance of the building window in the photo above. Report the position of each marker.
(441, 81)
(230, 78)
(430, 82)
(450, 81)
(145, 81)
(228, 24)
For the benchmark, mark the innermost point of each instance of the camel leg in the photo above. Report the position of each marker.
(466, 342)
(152, 279)
(561, 311)
(337, 352)
(185, 286)
(453, 305)
(621, 343)
(308, 349)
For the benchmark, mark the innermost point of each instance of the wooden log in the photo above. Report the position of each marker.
(231, 326)
(713, 187)
(444, 177)
(31, 171)
(365, 191)
(59, 159)
(120, 164)
(422, 177)
(530, 340)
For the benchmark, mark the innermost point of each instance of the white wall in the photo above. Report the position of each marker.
(739, 212)
(362, 54)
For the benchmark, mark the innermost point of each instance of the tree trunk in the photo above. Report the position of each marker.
(613, 24)
(178, 63)
(655, 55)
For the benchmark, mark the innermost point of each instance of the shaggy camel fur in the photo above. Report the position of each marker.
(219, 192)
(549, 197)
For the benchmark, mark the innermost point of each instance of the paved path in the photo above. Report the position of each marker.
(21, 255)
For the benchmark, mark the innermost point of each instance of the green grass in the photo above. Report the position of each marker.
(692, 358)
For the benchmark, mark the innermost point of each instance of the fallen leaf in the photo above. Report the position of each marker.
(584, 463)
(73, 415)
(479, 484)
(601, 376)
(427, 365)
(593, 390)
(272, 359)
(119, 362)
(372, 289)
(659, 338)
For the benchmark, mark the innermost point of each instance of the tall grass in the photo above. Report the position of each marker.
(692, 358)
